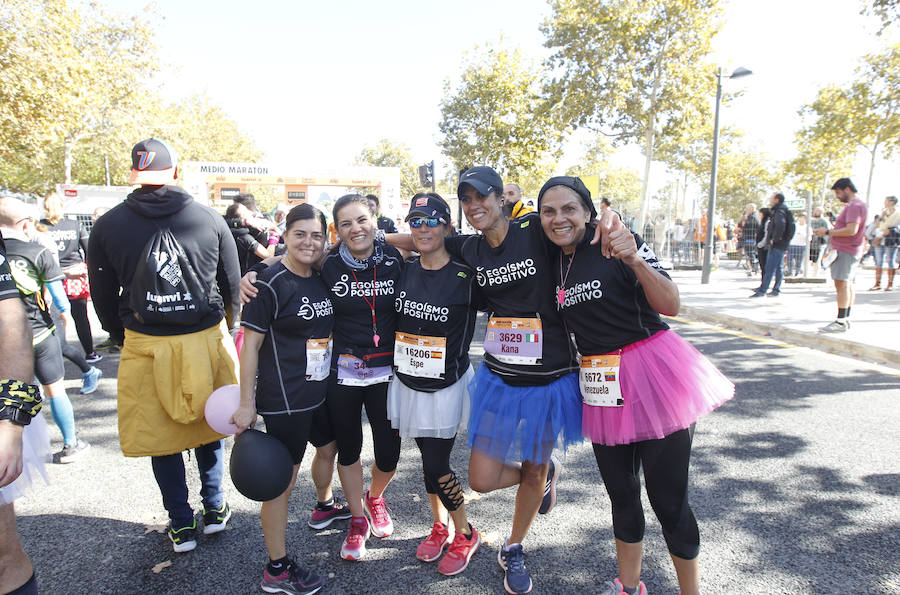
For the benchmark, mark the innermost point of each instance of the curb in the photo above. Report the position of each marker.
(827, 343)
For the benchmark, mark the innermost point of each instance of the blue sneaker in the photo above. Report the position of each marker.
(549, 499)
(90, 380)
(512, 559)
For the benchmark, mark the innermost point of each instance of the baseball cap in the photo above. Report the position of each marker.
(483, 179)
(575, 184)
(429, 205)
(153, 163)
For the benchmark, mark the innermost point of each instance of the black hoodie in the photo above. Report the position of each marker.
(119, 236)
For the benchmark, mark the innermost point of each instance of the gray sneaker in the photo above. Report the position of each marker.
(835, 327)
(71, 452)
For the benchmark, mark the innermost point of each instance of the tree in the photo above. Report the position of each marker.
(495, 116)
(887, 11)
(621, 185)
(633, 69)
(820, 160)
(388, 153)
(866, 111)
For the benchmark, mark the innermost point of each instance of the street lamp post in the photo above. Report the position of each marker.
(711, 207)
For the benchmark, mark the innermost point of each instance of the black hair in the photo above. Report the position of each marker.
(779, 197)
(348, 199)
(843, 183)
(303, 212)
(605, 201)
(232, 211)
(246, 199)
(373, 197)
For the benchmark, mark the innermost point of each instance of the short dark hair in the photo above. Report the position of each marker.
(246, 199)
(893, 199)
(302, 212)
(346, 200)
(373, 197)
(232, 211)
(779, 197)
(843, 183)
(605, 201)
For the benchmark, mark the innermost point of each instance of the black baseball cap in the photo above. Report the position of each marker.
(153, 163)
(483, 179)
(575, 184)
(429, 205)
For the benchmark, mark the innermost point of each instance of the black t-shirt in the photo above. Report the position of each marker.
(605, 305)
(436, 304)
(246, 248)
(291, 311)
(386, 224)
(516, 280)
(8, 289)
(349, 290)
(71, 241)
(33, 267)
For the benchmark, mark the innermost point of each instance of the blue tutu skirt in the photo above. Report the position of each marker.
(523, 423)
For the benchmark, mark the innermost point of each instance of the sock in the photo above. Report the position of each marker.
(843, 313)
(848, 311)
(278, 566)
(629, 590)
(64, 416)
(468, 532)
(327, 505)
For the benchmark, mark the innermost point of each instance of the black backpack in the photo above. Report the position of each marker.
(790, 227)
(165, 288)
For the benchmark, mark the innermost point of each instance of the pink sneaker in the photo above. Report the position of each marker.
(354, 547)
(319, 519)
(380, 515)
(615, 587)
(433, 546)
(459, 553)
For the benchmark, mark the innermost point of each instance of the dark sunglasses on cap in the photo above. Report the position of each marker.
(429, 221)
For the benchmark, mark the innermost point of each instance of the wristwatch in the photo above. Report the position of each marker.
(18, 416)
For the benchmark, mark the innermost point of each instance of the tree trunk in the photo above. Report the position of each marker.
(68, 158)
(873, 152)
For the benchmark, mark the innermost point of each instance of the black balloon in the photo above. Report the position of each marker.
(261, 466)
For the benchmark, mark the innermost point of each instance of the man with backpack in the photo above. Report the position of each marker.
(154, 264)
(781, 230)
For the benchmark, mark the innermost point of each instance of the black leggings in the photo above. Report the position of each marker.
(665, 462)
(435, 465)
(69, 352)
(345, 405)
(82, 325)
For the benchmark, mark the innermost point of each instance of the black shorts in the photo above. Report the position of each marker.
(292, 430)
(48, 361)
(321, 432)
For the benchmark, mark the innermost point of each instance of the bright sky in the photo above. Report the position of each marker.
(313, 82)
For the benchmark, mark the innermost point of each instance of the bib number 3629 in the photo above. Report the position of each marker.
(515, 340)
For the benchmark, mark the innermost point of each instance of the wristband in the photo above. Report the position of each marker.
(18, 395)
(380, 236)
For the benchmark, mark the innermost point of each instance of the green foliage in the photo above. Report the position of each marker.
(621, 185)
(495, 116)
(74, 91)
(887, 11)
(388, 153)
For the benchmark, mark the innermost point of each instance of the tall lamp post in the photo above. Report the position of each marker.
(711, 208)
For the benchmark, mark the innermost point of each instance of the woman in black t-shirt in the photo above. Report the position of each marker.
(428, 398)
(643, 386)
(285, 362)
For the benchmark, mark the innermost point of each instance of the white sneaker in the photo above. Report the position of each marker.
(835, 327)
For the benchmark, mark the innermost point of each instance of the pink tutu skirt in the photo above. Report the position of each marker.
(666, 385)
(35, 453)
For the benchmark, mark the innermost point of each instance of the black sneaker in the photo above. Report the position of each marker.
(111, 345)
(71, 452)
(93, 357)
(774, 293)
(183, 539)
(215, 519)
(293, 581)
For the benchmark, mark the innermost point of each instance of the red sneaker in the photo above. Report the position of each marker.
(433, 546)
(459, 553)
(380, 515)
(354, 547)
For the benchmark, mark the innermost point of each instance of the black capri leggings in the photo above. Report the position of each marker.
(82, 324)
(435, 465)
(345, 405)
(665, 462)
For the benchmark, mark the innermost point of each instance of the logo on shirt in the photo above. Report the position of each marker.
(308, 310)
(581, 292)
(346, 287)
(508, 273)
(421, 310)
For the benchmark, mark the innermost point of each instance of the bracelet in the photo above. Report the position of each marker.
(380, 236)
(20, 395)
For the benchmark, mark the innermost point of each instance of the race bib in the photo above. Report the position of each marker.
(515, 340)
(318, 359)
(352, 371)
(420, 356)
(599, 381)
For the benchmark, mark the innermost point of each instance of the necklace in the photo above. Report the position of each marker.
(561, 294)
(375, 337)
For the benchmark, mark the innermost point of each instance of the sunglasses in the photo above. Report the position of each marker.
(429, 221)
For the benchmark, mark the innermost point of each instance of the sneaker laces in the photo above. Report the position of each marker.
(457, 546)
(437, 537)
(378, 509)
(515, 561)
(358, 530)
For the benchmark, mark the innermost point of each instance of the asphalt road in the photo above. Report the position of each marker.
(795, 484)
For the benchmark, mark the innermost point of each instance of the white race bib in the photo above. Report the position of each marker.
(515, 340)
(599, 381)
(352, 371)
(318, 359)
(420, 356)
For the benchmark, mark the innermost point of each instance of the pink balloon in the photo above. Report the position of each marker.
(220, 406)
